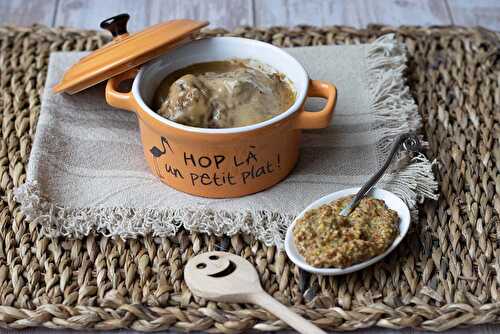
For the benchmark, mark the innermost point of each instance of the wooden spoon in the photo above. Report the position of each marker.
(225, 277)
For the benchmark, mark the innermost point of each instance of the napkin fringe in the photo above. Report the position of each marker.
(394, 110)
(55, 220)
(413, 183)
(392, 105)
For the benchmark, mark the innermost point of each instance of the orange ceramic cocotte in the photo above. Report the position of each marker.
(229, 162)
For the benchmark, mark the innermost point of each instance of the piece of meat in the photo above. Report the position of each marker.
(187, 102)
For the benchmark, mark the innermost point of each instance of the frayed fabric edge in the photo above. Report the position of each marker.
(55, 220)
(392, 105)
(394, 110)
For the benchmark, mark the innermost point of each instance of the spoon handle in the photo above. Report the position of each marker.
(284, 313)
(409, 142)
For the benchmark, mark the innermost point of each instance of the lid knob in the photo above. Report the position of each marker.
(116, 25)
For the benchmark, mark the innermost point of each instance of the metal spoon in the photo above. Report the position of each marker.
(409, 142)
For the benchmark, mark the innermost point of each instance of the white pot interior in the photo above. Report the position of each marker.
(213, 49)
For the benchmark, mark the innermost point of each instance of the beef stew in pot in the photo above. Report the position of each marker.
(223, 94)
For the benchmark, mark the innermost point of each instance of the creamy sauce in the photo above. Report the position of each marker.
(327, 240)
(222, 94)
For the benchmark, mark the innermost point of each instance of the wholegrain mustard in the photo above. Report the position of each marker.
(326, 239)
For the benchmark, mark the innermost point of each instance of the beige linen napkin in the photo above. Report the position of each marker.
(87, 171)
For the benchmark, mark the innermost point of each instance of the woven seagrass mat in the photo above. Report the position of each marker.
(444, 275)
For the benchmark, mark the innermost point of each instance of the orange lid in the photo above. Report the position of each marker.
(125, 51)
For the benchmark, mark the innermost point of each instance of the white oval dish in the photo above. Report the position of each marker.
(392, 201)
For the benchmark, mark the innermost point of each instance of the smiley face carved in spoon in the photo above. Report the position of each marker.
(215, 265)
(229, 278)
(221, 275)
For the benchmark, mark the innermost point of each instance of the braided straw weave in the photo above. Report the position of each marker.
(444, 275)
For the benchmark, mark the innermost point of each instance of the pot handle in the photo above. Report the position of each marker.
(318, 119)
(117, 99)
